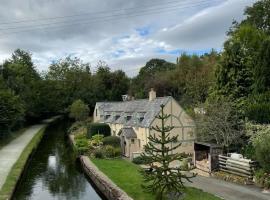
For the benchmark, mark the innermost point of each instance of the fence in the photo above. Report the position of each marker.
(241, 167)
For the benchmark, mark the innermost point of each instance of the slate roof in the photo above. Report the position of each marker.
(128, 132)
(141, 112)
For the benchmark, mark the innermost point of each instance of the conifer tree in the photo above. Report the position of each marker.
(163, 179)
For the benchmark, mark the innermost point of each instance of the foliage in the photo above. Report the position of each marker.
(79, 111)
(76, 126)
(96, 140)
(258, 15)
(220, 124)
(82, 145)
(163, 180)
(20, 76)
(112, 152)
(99, 153)
(248, 151)
(98, 128)
(261, 143)
(126, 175)
(11, 111)
(262, 178)
(258, 108)
(140, 160)
(112, 140)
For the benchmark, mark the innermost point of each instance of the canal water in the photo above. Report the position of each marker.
(53, 173)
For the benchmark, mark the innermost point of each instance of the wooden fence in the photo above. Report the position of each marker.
(241, 167)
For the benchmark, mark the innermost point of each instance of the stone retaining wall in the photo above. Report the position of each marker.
(103, 183)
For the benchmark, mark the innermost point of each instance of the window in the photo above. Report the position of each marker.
(107, 116)
(117, 117)
(128, 118)
(141, 119)
(132, 141)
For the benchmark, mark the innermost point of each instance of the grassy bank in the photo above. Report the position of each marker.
(18, 167)
(126, 175)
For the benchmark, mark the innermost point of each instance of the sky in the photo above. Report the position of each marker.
(124, 34)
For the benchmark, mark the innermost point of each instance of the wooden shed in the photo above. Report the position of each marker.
(206, 156)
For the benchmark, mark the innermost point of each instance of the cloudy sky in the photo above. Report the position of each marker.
(125, 34)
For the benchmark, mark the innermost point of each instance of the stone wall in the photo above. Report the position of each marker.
(103, 183)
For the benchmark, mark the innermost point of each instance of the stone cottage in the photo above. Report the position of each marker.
(132, 120)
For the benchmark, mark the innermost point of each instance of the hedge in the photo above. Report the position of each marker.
(112, 140)
(98, 128)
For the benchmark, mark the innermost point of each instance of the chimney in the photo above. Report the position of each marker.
(152, 94)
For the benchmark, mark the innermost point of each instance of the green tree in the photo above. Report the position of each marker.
(21, 77)
(11, 111)
(258, 15)
(164, 180)
(79, 110)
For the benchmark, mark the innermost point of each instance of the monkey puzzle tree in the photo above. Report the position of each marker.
(163, 179)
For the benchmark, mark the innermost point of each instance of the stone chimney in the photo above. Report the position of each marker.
(152, 94)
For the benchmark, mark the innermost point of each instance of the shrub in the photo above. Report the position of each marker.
(82, 145)
(112, 152)
(140, 160)
(98, 128)
(261, 143)
(248, 151)
(117, 152)
(75, 126)
(262, 178)
(112, 140)
(184, 164)
(109, 151)
(98, 153)
(96, 140)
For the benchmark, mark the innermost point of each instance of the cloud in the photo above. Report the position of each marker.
(206, 29)
(123, 42)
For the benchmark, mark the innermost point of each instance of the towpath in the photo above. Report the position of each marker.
(11, 152)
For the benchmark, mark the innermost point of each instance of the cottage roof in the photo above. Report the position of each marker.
(131, 113)
(128, 132)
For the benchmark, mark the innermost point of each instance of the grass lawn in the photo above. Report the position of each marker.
(125, 174)
(11, 137)
(18, 167)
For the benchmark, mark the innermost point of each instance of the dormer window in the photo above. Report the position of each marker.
(128, 118)
(107, 116)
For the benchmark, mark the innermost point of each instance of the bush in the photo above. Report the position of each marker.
(112, 140)
(248, 151)
(96, 140)
(112, 152)
(262, 178)
(140, 160)
(98, 128)
(82, 145)
(98, 153)
(75, 127)
(261, 143)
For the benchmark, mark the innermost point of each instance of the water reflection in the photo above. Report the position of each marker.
(53, 172)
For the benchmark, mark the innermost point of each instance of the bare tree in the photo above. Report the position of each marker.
(220, 124)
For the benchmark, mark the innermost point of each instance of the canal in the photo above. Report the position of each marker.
(53, 172)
